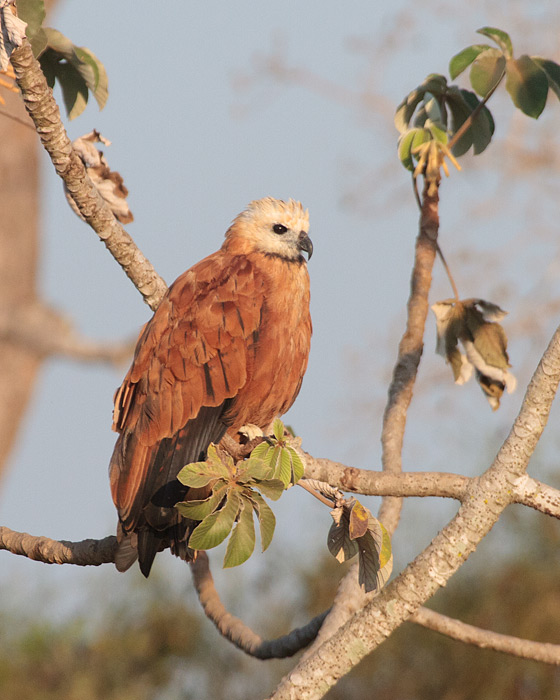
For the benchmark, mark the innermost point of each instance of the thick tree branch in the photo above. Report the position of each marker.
(84, 553)
(487, 497)
(45, 114)
(485, 639)
(233, 629)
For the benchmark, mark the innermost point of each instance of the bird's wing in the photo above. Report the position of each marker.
(191, 360)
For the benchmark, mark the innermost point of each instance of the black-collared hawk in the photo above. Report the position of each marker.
(227, 346)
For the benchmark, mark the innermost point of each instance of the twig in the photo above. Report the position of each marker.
(448, 271)
(485, 639)
(45, 114)
(233, 629)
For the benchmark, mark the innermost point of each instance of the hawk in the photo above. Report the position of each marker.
(227, 346)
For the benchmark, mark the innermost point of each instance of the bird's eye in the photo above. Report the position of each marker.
(280, 229)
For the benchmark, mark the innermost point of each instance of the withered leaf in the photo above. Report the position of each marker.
(358, 521)
(109, 183)
(473, 324)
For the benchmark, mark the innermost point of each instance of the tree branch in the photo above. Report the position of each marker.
(410, 350)
(485, 639)
(45, 114)
(233, 629)
(487, 497)
(527, 491)
(535, 494)
(84, 553)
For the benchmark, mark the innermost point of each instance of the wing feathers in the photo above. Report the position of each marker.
(191, 360)
(228, 345)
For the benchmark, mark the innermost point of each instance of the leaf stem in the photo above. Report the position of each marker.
(448, 271)
(327, 501)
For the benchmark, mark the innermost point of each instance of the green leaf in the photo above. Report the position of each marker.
(487, 70)
(527, 85)
(464, 58)
(271, 488)
(500, 37)
(483, 127)
(408, 142)
(285, 473)
(33, 12)
(460, 111)
(76, 68)
(216, 465)
(74, 89)
(267, 521)
(435, 84)
(439, 134)
(552, 71)
(242, 541)
(101, 89)
(195, 475)
(216, 527)
(278, 429)
(406, 109)
(297, 465)
(255, 468)
(263, 451)
(405, 146)
(433, 108)
(199, 509)
(275, 461)
(199, 474)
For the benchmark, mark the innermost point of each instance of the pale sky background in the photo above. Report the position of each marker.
(197, 132)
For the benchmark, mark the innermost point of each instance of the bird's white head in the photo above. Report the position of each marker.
(273, 227)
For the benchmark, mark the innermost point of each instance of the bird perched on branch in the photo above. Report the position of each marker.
(228, 346)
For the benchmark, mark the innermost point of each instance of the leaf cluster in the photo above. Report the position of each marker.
(76, 68)
(282, 459)
(356, 531)
(528, 78)
(236, 496)
(435, 111)
(439, 113)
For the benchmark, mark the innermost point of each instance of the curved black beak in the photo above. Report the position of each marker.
(304, 243)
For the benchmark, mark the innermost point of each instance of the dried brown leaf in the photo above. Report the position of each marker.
(109, 183)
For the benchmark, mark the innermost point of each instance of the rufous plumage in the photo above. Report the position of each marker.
(227, 346)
